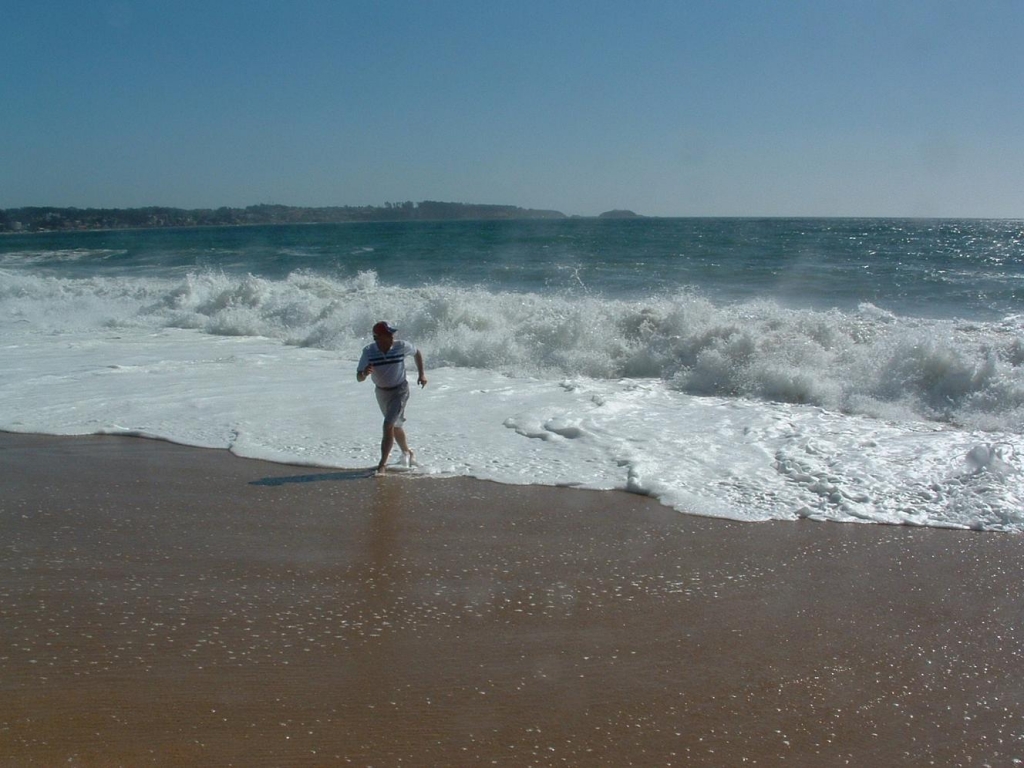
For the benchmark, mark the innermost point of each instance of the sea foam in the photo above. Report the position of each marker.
(868, 362)
(749, 411)
(724, 457)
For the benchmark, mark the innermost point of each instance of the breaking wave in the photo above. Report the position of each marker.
(868, 362)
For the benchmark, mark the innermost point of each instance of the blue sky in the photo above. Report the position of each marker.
(814, 108)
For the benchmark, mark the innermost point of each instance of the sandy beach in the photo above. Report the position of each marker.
(163, 605)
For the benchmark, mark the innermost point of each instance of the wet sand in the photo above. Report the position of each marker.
(162, 605)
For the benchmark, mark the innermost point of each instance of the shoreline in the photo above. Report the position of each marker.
(167, 605)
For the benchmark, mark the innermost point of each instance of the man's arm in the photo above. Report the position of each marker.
(422, 379)
(363, 367)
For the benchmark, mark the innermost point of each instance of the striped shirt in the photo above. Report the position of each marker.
(388, 367)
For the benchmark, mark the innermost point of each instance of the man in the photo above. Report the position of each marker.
(384, 361)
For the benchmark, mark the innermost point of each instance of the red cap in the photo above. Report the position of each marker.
(383, 328)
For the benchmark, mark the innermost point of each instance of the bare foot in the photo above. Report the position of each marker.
(409, 458)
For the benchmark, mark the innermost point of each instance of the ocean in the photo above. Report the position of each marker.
(850, 370)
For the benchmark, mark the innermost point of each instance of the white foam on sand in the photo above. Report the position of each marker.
(726, 457)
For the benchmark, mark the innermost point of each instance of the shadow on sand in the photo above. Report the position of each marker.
(348, 474)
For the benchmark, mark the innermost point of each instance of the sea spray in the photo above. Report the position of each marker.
(758, 370)
(866, 362)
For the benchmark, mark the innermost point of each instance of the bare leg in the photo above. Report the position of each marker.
(386, 443)
(400, 439)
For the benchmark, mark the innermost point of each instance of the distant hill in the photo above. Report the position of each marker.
(40, 219)
(619, 214)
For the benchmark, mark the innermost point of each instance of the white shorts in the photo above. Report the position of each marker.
(392, 403)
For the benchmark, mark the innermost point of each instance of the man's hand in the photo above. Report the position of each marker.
(361, 375)
(420, 369)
